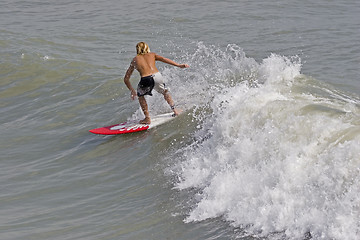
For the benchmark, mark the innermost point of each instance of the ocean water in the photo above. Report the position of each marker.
(267, 147)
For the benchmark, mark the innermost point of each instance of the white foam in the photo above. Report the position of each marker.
(274, 157)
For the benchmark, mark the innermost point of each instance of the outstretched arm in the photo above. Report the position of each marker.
(171, 62)
(127, 79)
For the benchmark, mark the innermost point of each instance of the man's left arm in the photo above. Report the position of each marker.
(127, 79)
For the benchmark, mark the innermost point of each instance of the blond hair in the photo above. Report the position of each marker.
(142, 48)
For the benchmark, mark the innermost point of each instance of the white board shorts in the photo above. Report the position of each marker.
(148, 83)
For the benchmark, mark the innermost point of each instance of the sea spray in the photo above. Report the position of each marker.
(277, 151)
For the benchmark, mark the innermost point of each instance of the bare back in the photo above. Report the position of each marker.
(145, 64)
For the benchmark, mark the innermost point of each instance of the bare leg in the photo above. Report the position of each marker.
(169, 100)
(144, 107)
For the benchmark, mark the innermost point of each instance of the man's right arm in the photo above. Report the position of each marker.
(171, 62)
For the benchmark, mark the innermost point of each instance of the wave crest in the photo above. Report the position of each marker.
(276, 151)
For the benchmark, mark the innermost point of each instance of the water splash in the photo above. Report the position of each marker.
(277, 152)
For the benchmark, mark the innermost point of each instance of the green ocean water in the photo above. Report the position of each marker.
(267, 146)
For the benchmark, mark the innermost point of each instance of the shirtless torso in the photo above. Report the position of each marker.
(145, 64)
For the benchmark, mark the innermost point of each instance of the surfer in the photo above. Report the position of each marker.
(151, 78)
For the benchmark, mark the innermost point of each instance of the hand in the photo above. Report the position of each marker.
(133, 94)
(183, 66)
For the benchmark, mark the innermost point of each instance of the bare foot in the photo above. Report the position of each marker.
(177, 111)
(145, 121)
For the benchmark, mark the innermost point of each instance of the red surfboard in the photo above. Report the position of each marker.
(133, 126)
